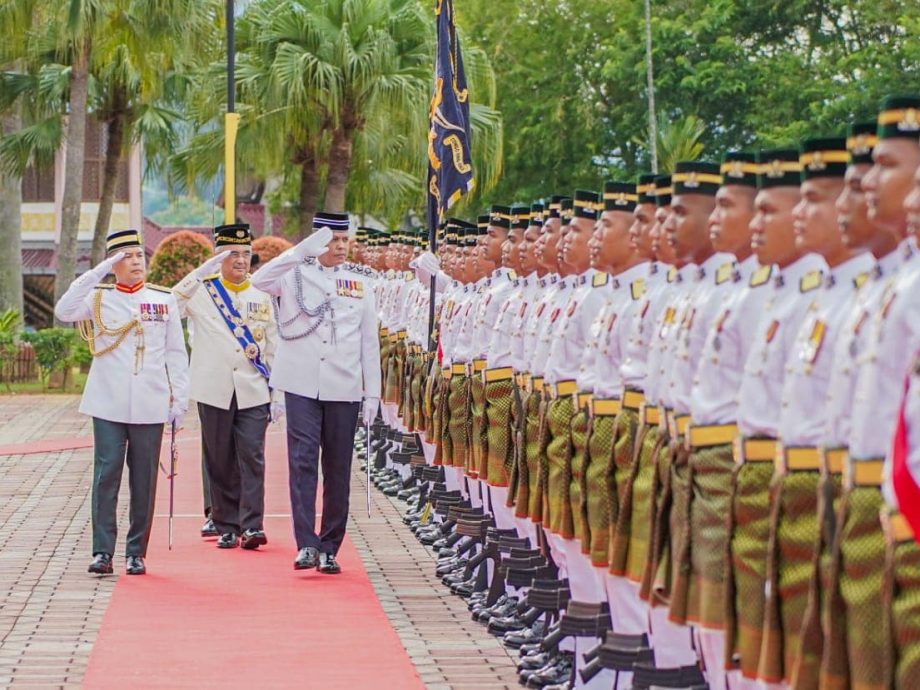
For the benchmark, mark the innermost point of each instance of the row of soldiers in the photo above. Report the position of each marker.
(687, 388)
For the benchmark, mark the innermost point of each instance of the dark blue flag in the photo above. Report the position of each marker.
(450, 168)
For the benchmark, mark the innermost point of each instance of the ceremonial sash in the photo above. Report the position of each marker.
(904, 479)
(236, 324)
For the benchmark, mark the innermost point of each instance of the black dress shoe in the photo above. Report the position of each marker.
(253, 539)
(134, 565)
(307, 559)
(328, 564)
(208, 529)
(228, 540)
(101, 565)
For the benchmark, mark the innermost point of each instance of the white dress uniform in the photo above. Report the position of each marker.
(328, 359)
(137, 382)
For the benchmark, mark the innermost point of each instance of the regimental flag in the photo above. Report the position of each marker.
(450, 167)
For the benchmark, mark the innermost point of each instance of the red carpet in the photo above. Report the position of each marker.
(207, 618)
(53, 445)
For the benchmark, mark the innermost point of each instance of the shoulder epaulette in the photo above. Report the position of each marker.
(105, 286)
(810, 281)
(363, 270)
(512, 276)
(637, 288)
(724, 272)
(761, 276)
(310, 260)
(600, 278)
(861, 279)
(159, 288)
(213, 276)
(672, 274)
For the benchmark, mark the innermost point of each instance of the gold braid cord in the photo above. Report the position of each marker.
(88, 333)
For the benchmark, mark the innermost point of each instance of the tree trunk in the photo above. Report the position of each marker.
(73, 174)
(113, 147)
(650, 77)
(11, 225)
(309, 192)
(339, 166)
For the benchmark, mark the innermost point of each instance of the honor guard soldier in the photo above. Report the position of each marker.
(137, 383)
(327, 362)
(795, 291)
(235, 339)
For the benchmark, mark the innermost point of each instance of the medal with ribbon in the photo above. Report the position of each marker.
(236, 324)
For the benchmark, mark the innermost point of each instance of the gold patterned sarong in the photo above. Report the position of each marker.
(639, 497)
(477, 467)
(624, 458)
(823, 573)
(499, 398)
(659, 510)
(793, 532)
(530, 502)
(857, 638)
(516, 451)
(682, 606)
(748, 537)
(458, 418)
(557, 504)
(601, 497)
(712, 486)
(902, 604)
(577, 487)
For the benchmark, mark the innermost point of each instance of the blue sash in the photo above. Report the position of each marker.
(236, 324)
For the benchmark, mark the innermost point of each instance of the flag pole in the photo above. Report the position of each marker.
(231, 122)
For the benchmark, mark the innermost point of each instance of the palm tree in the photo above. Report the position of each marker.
(679, 140)
(142, 51)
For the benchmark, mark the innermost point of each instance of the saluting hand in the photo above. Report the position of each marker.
(315, 245)
(211, 266)
(104, 267)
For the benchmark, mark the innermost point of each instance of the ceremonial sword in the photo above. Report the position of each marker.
(367, 465)
(173, 463)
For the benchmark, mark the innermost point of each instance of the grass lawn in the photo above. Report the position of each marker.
(75, 385)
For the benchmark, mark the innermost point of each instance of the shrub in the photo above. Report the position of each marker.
(269, 247)
(53, 350)
(176, 256)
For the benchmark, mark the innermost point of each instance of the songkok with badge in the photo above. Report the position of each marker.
(861, 140)
(587, 204)
(232, 235)
(554, 208)
(536, 214)
(778, 168)
(696, 177)
(566, 210)
(500, 217)
(663, 190)
(645, 188)
(739, 168)
(620, 196)
(899, 118)
(520, 217)
(824, 157)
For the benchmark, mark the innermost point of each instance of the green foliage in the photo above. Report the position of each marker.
(176, 256)
(53, 350)
(10, 321)
(189, 211)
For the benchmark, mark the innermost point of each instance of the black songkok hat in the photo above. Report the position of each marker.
(566, 209)
(232, 235)
(587, 204)
(696, 177)
(337, 222)
(861, 140)
(122, 239)
(500, 217)
(645, 188)
(620, 196)
(778, 168)
(520, 217)
(663, 190)
(824, 157)
(537, 216)
(739, 168)
(899, 118)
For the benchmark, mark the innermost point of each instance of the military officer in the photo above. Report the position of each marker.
(137, 383)
(236, 334)
(327, 362)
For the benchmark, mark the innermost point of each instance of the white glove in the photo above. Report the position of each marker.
(314, 245)
(104, 267)
(211, 266)
(277, 409)
(176, 412)
(369, 413)
(429, 263)
(423, 276)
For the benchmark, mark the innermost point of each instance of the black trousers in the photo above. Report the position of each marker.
(234, 455)
(319, 430)
(116, 442)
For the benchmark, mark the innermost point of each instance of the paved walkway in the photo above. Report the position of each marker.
(51, 609)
